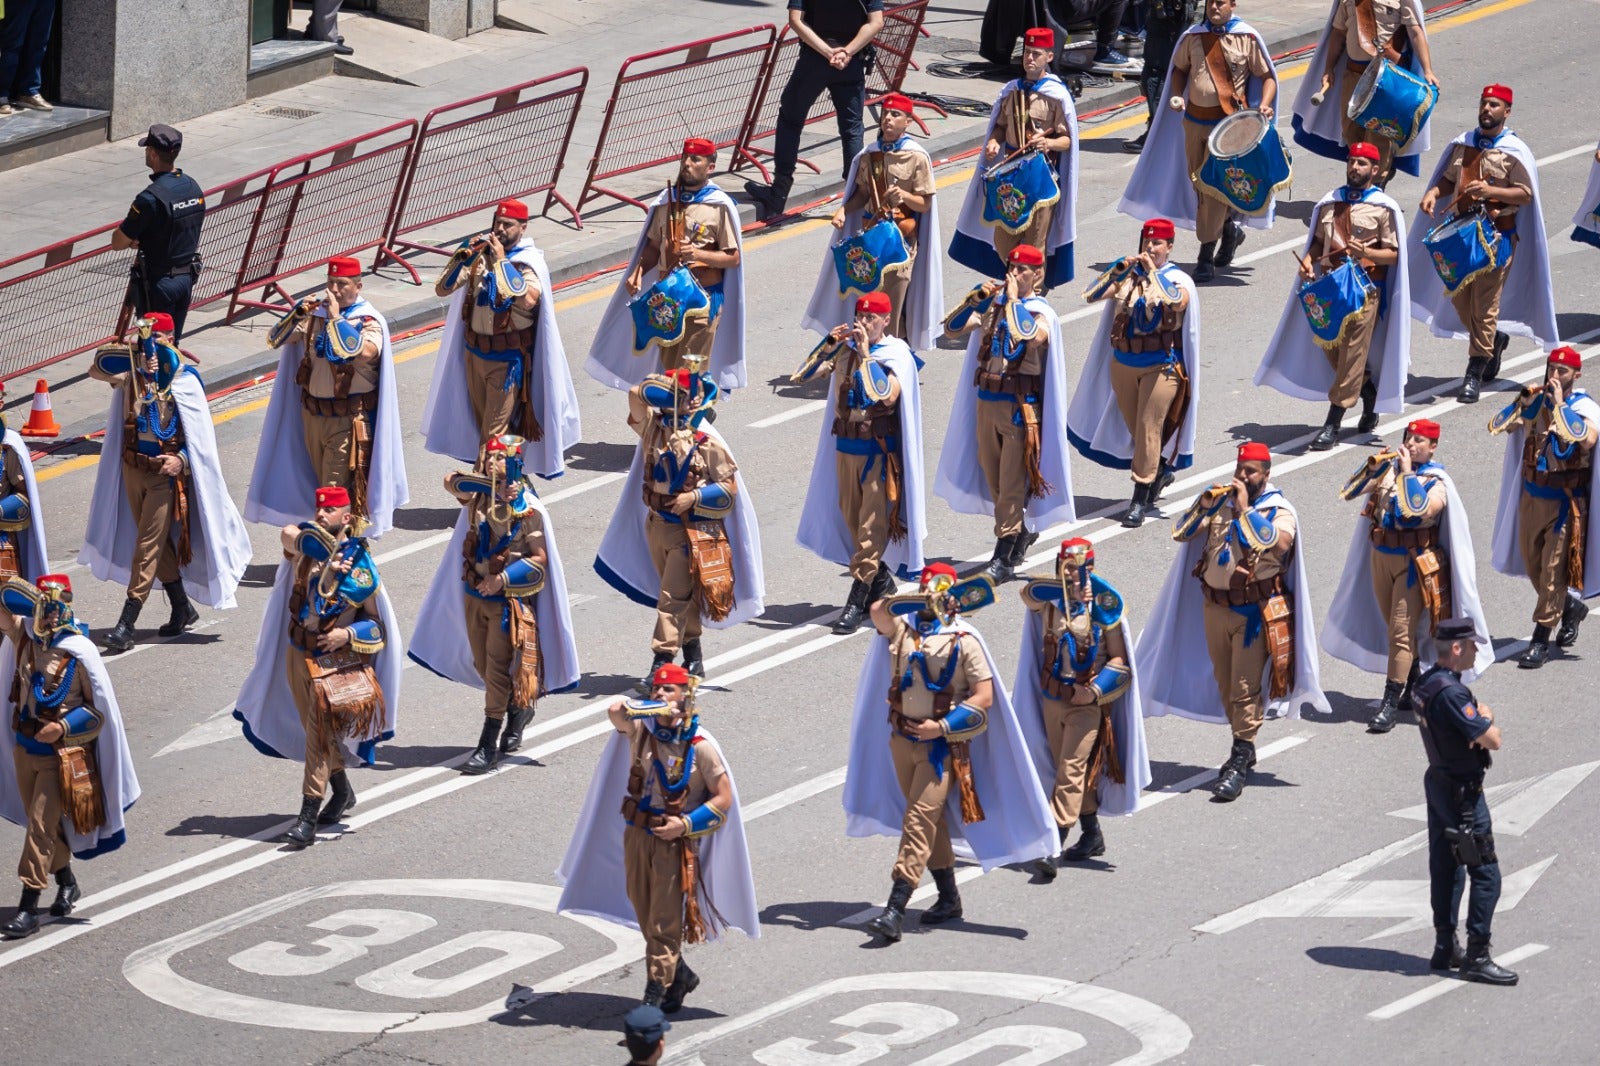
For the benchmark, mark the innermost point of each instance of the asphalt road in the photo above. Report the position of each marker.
(1289, 927)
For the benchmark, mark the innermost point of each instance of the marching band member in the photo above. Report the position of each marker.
(1348, 357)
(1410, 567)
(1247, 611)
(1033, 114)
(1076, 673)
(1586, 223)
(673, 862)
(864, 505)
(22, 537)
(68, 776)
(1488, 169)
(334, 415)
(161, 507)
(1220, 66)
(688, 543)
(951, 731)
(890, 179)
(1137, 396)
(501, 366)
(496, 615)
(1019, 469)
(325, 686)
(695, 225)
(1542, 527)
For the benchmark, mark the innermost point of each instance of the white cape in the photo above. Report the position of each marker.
(1586, 223)
(1507, 554)
(283, 487)
(924, 306)
(1528, 303)
(1177, 666)
(217, 534)
(440, 640)
(1160, 185)
(1094, 421)
(594, 879)
(448, 426)
(1356, 631)
(265, 706)
(1127, 722)
(35, 559)
(118, 783)
(959, 479)
(623, 559)
(612, 361)
(1296, 366)
(1018, 825)
(823, 529)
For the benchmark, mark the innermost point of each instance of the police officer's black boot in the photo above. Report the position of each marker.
(1328, 435)
(1472, 380)
(855, 608)
(889, 923)
(1383, 721)
(304, 833)
(1491, 369)
(1091, 842)
(487, 754)
(1572, 617)
(1235, 772)
(26, 923)
(183, 613)
(1446, 949)
(1538, 649)
(882, 585)
(946, 908)
(999, 568)
(693, 661)
(1205, 268)
(121, 636)
(1143, 498)
(1479, 967)
(1025, 542)
(340, 802)
(683, 982)
(1408, 698)
(67, 892)
(654, 992)
(1369, 399)
(647, 682)
(517, 719)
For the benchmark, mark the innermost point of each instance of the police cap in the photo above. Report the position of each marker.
(1455, 629)
(645, 1022)
(162, 138)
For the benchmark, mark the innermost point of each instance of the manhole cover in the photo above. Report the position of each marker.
(288, 112)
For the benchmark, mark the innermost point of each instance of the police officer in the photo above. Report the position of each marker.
(1164, 23)
(644, 1031)
(1458, 734)
(164, 224)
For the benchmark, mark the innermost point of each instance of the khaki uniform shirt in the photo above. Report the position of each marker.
(528, 543)
(907, 170)
(12, 472)
(312, 622)
(1581, 458)
(1034, 355)
(705, 225)
(323, 384)
(844, 371)
(1384, 493)
(1056, 621)
(916, 702)
(708, 766)
(1045, 115)
(1127, 294)
(1244, 58)
(1370, 223)
(52, 663)
(1387, 17)
(1269, 564)
(481, 319)
(712, 463)
(1499, 168)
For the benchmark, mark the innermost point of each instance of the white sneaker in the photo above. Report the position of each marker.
(6, 108)
(32, 103)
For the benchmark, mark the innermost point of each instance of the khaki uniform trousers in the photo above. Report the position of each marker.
(491, 652)
(1144, 396)
(44, 849)
(492, 403)
(1072, 732)
(1544, 553)
(1036, 233)
(1239, 670)
(328, 440)
(895, 285)
(324, 754)
(1210, 213)
(865, 507)
(677, 613)
(699, 334)
(1354, 132)
(1003, 457)
(152, 499)
(1477, 304)
(924, 836)
(1401, 604)
(654, 872)
(1349, 360)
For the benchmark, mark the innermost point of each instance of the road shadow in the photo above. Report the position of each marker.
(1272, 436)
(810, 915)
(1375, 960)
(598, 455)
(784, 389)
(426, 519)
(914, 927)
(592, 1011)
(594, 686)
(1166, 774)
(1300, 210)
(1572, 323)
(410, 757)
(238, 826)
(259, 575)
(785, 615)
(1346, 708)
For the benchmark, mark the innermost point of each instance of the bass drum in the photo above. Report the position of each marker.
(1246, 163)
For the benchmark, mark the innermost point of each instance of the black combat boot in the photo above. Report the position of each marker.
(1491, 369)
(1446, 949)
(683, 982)
(1025, 542)
(889, 923)
(1165, 476)
(647, 684)
(121, 636)
(1328, 435)
(1383, 721)
(1232, 237)
(1472, 380)
(1205, 268)
(769, 198)
(67, 892)
(999, 569)
(1045, 867)
(1572, 617)
(1091, 842)
(1369, 398)
(1136, 144)
(1538, 649)
(882, 585)
(693, 661)
(304, 833)
(26, 923)
(1143, 498)
(486, 756)
(1478, 966)
(340, 802)
(654, 992)
(183, 613)
(1235, 772)
(517, 719)
(855, 608)
(947, 907)
(1408, 698)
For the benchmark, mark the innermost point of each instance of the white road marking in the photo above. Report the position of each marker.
(797, 411)
(1447, 984)
(112, 659)
(1517, 806)
(794, 794)
(1582, 149)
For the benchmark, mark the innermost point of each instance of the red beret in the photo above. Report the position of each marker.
(514, 209)
(1160, 229)
(61, 581)
(1363, 150)
(333, 496)
(896, 102)
(933, 570)
(670, 674)
(699, 146)
(875, 302)
(160, 321)
(1041, 37)
(342, 266)
(1077, 546)
(1565, 356)
(1253, 451)
(1424, 427)
(1496, 92)
(1027, 255)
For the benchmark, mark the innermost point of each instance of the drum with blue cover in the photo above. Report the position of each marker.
(1333, 302)
(1464, 247)
(661, 312)
(861, 261)
(1246, 163)
(1392, 102)
(1015, 189)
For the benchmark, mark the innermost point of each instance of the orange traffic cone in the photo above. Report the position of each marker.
(41, 421)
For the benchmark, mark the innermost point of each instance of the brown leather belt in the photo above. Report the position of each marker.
(1557, 479)
(1202, 113)
(1161, 341)
(517, 340)
(877, 427)
(150, 464)
(1249, 592)
(340, 407)
(1055, 688)
(1410, 539)
(302, 638)
(1016, 384)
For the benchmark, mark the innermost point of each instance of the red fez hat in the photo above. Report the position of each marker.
(684, 379)
(1253, 451)
(699, 146)
(1027, 255)
(1076, 546)
(1496, 92)
(494, 444)
(342, 266)
(670, 674)
(1040, 37)
(1565, 356)
(160, 321)
(333, 496)
(1160, 229)
(875, 302)
(1363, 150)
(933, 570)
(61, 581)
(1424, 427)
(896, 102)
(514, 209)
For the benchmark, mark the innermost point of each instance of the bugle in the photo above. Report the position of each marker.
(1375, 466)
(816, 359)
(1203, 507)
(1515, 411)
(977, 300)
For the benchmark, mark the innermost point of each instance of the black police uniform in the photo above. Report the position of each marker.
(165, 219)
(837, 22)
(1164, 22)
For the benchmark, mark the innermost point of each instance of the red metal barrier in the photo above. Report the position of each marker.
(702, 89)
(60, 300)
(469, 155)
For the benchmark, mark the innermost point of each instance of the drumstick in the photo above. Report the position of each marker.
(1317, 98)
